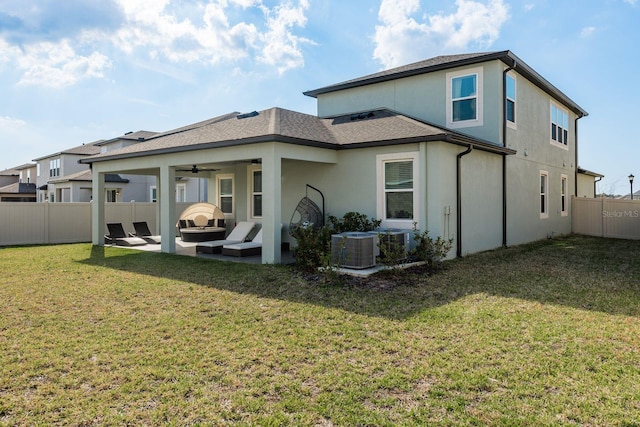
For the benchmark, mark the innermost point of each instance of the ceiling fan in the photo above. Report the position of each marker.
(196, 169)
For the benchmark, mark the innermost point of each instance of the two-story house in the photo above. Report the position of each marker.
(478, 147)
(62, 178)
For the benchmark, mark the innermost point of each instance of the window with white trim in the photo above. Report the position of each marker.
(54, 168)
(225, 193)
(464, 98)
(511, 100)
(544, 194)
(397, 188)
(181, 193)
(255, 191)
(563, 196)
(112, 196)
(559, 125)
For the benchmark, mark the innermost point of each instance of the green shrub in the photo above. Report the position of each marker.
(392, 253)
(429, 250)
(314, 246)
(353, 221)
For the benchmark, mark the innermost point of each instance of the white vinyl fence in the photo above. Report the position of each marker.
(602, 217)
(45, 223)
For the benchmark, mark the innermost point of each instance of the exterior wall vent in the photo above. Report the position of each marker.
(247, 115)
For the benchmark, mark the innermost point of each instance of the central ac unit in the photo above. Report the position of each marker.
(353, 250)
(394, 237)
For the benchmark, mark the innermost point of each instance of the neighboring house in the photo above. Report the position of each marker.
(77, 187)
(16, 184)
(587, 181)
(57, 166)
(61, 178)
(478, 147)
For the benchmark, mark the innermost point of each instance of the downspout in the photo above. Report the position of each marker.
(459, 201)
(595, 191)
(504, 156)
(575, 165)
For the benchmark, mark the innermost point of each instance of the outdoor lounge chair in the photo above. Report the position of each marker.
(237, 235)
(142, 231)
(118, 237)
(254, 247)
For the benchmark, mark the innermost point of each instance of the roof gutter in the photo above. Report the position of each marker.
(459, 200)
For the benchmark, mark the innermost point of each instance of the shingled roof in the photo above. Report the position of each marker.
(82, 150)
(86, 176)
(371, 128)
(446, 62)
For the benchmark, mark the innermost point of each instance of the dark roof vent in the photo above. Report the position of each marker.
(247, 115)
(362, 116)
(141, 138)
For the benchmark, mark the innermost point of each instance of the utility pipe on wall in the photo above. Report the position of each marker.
(459, 201)
(504, 157)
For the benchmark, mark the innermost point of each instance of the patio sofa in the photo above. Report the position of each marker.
(201, 222)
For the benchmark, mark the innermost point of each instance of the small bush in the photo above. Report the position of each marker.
(429, 250)
(392, 253)
(314, 246)
(353, 221)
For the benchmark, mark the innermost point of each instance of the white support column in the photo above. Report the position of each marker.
(423, 197)
(97, 208)
(166, 192)
(158, 213)
(271, 207)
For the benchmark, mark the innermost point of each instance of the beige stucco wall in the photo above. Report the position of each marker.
(585, 186)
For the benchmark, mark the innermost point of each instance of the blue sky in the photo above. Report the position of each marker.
(76, 71)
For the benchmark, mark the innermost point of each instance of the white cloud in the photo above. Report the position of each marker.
(167, 31)
(7, 122)
(587, 31)
(215, 38)
(280, 45)
(58, 64)
(402, 39)
(631, 2)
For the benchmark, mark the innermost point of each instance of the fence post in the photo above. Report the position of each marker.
(46, 217)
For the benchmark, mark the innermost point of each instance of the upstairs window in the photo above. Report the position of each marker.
(511, 100)
(54, 168)
(559, 125)
(464, 98)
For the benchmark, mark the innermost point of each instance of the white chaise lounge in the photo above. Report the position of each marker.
(237, 235)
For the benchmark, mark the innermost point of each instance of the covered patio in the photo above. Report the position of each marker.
(249, 150)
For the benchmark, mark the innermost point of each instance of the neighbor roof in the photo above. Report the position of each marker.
(86, 175)
(88, 149)
(590, 173)
(371, 128)
(19, 188)
(451, 61)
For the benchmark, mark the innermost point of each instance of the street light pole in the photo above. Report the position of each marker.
(631, 182)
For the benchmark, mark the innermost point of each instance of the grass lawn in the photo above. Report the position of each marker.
(541, 334)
